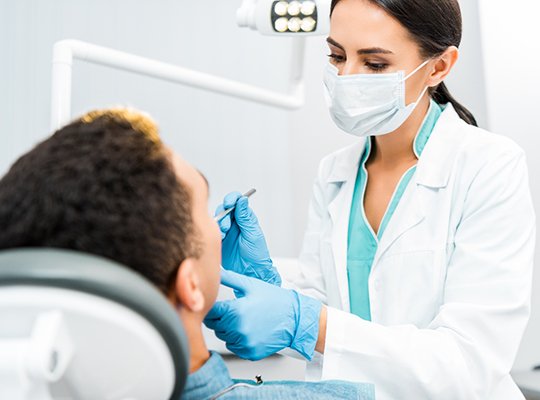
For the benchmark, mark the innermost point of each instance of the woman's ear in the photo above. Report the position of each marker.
(187, 287)
(443, 65)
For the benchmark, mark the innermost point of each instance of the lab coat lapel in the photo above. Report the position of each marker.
(432, 174)
(409, 213)
(343, 174)
(340, 210)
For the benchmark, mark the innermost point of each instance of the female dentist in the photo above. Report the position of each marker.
(415, 273)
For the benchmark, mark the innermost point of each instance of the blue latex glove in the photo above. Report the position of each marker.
(244, 247)
(264, 319)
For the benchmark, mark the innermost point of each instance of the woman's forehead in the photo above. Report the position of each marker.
(357, 24)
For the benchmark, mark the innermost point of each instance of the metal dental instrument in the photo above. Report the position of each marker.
(226, 212)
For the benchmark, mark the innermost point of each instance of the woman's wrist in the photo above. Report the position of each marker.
(321, 340)
(306, 316)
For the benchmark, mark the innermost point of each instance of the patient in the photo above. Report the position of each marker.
(106, 184)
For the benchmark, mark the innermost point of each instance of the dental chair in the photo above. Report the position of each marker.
(81, 327)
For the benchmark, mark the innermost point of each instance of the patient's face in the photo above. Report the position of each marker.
(208, 234)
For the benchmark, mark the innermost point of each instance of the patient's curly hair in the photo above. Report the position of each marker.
(104, 184)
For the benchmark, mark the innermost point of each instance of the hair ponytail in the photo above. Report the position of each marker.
(435, 25)
(442, 95)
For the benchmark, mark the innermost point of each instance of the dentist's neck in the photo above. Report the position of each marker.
(397, 147)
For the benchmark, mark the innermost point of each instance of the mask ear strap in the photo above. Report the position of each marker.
(422, 94)
(416, 70)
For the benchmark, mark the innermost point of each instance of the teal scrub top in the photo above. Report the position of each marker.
(362, 240)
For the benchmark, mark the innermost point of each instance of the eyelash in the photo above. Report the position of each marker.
(336, 58)
(376, 67)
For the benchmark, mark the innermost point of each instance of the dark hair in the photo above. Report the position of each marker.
(105, 185)
(435, 25)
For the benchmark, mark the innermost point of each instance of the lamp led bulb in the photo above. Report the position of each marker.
(281, 24)
(285, 17)
(308, 24)
(294, 8)
(295, 24)
(308, 8)
(281, 8)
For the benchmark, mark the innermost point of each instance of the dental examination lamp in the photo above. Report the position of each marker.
(296, 19)
(80, 327)
(285, 17)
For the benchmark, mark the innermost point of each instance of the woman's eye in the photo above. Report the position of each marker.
(336, 58)
(377, 67)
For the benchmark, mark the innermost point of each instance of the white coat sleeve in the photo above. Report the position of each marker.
(470, 345)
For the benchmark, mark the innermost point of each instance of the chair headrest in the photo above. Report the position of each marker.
(97, 276)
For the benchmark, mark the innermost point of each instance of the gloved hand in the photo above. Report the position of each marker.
(244, 247)
(264, 319)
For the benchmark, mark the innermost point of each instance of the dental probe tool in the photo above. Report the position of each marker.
(226, 212)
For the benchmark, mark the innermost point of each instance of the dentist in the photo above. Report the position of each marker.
(415, 272)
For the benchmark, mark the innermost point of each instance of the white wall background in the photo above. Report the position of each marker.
(237, 145)
(512, 56)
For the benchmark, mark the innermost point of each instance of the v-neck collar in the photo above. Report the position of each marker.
(419, 143)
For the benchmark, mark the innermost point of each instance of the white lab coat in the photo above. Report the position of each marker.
(450, 283)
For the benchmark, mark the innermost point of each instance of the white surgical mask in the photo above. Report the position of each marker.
(368, 104)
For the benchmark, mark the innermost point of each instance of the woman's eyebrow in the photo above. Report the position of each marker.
(374, 50)
(334, 43)
(371, 50)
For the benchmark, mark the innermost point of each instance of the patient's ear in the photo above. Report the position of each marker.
(187, 286)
